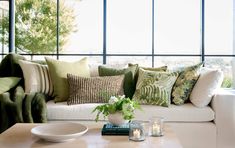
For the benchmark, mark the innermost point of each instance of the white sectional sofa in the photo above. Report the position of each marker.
(208, 127)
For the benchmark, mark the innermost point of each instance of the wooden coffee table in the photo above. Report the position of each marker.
(19, 136)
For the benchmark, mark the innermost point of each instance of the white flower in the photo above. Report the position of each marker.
(122, 97)
(113, 99)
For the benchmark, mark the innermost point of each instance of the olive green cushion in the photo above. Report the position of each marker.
(185, 83)
(58, 71)
(6, 83)
(154, 88)
(162, 68)
(129, 83)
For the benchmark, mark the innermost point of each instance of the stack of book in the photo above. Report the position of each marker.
(110, 129)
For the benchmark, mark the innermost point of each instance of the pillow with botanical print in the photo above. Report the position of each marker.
(154, 88)
(185, 83)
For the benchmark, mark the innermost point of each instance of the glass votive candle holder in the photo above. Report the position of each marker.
(156, 126)
(136, 132)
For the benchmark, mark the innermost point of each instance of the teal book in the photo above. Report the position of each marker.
(110, 129)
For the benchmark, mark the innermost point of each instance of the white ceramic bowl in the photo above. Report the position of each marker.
(59, 132)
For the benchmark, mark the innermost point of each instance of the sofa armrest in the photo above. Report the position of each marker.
(223, 103)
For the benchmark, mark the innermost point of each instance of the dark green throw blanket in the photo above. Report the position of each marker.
(15, 105)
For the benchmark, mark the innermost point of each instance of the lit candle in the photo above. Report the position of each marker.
(156, 129)
(136, 133)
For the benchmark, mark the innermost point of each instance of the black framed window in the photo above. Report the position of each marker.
(149, 32)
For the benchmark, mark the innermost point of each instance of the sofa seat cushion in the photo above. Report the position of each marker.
(184, 113)
(177, 113)
(63, 111)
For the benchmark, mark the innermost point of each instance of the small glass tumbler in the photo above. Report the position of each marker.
(136, 132)
(156, 126)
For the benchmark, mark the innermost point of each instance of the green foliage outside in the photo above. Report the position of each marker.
(227, 82)
(35, 26)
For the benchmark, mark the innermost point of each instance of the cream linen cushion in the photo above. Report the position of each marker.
(206, 86)
(36, 78)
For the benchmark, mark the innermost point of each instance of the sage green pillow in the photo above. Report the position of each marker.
(58, 71)
(185, 83)
(6, 83)
(154, 88)
(129, 83)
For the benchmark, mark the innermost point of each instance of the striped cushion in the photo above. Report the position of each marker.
(94, 89)
(36, 78)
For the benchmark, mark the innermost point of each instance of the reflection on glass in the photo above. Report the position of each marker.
(177, 26)
(129, 26)
(4, 25)
(219, 27)
(87, 36)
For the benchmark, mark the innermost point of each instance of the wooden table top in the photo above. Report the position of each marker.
(19, 136)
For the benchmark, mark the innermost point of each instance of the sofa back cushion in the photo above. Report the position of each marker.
(93, 90)
(59, 70)
(208, 83)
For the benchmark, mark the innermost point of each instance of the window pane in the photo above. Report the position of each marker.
(35, 26)
(129, 26)
(177, 26)
(219, 27)
(4, 26)
(176, 62)
(124, 60)
(85, 34)
(92, 59)
(223, 63)
(38, 57)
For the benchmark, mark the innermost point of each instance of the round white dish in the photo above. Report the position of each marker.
(59, 132)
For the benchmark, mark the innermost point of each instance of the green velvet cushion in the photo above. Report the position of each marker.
(6, 83)
(185, 83)
(58, 71)
(154, 88)
(129, 83)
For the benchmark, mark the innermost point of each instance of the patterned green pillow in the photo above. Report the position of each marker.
(162, 69)
(154, 88)
(185, 83)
